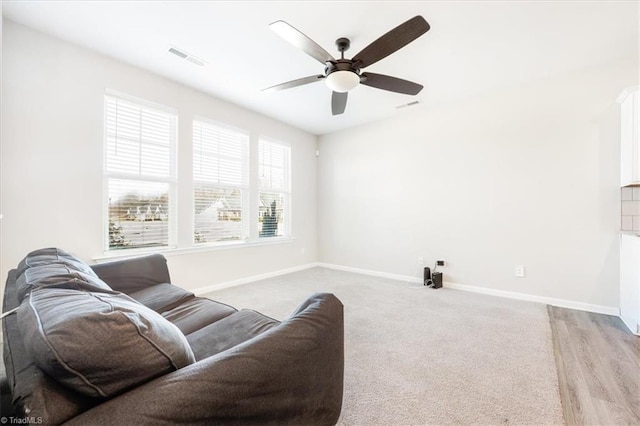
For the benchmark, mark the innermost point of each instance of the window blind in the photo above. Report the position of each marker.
(274, 169)
(221, 181)
(140, 173)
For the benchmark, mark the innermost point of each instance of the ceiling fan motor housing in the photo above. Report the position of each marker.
(341, 65)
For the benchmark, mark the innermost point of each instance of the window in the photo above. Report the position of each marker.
(140, 173)
(235, 189)
(220, 182)
(274, 171)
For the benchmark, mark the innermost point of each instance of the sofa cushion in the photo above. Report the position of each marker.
(53, 267)
(229, 332)
(197, 313)
(129, 275)
(162, 297)
(99, 344)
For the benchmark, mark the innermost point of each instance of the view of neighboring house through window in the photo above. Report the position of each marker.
(140, 173)
(220, 182)
(274, 171)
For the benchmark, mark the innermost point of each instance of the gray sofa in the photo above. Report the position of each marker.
(117, 343)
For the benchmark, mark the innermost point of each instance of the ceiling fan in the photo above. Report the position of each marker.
(342, 75)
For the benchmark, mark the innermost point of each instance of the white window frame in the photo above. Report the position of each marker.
(245, 187)
(171, 181)
(287, 205)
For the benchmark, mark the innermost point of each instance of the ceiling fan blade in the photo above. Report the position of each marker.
(301, 41)
(338, 102)
(394, 40)
(294, 83)
(392, 84)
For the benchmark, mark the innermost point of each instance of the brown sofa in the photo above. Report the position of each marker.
(117, 343)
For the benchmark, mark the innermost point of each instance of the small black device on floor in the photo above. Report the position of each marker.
(432, 280)
(436, 277)
(426, 281)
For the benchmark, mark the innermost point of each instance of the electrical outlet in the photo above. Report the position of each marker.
(420, 260)
(440, 262)
(520, 271)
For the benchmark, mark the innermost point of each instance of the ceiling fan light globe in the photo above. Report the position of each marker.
(342, 81)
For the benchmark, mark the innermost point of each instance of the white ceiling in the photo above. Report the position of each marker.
(472, 47)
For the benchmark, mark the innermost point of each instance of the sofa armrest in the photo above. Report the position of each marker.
(134, 274)
(291, 374)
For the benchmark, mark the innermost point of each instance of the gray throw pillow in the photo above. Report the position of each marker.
(99, 344)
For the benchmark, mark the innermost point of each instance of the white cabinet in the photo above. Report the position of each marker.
(630, 176)
(630, 136)
(630, 281)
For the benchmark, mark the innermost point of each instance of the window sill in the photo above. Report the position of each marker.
(203, 248)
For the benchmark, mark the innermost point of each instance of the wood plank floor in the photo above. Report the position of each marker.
(598, 362)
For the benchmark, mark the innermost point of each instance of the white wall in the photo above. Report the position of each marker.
(52, 148)
(529, 176)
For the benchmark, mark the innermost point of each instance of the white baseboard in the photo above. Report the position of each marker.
(246, 280)
(607, 310)
(599, 309)
(370, 272)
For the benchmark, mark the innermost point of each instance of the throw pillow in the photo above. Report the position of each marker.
(99, 344)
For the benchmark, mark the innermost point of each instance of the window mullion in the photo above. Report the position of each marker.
(140, 141)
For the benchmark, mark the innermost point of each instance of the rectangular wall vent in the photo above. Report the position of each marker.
(178, 52)
(186, 55)
(407, 105)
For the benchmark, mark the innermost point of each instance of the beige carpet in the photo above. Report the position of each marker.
(416, 356)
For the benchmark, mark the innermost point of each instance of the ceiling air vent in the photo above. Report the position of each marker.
(185, 55)
(408, 105)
